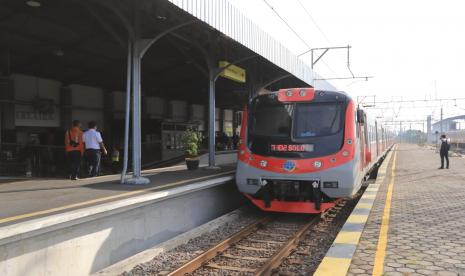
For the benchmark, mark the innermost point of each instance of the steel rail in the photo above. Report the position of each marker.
(211, 253)
(285, 250)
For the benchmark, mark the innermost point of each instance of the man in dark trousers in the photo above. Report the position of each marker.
(444, 151)
(94, 149)
(74, 146)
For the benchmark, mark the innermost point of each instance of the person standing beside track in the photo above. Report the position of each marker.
(444, 151)
(74, 147)
(94, 149)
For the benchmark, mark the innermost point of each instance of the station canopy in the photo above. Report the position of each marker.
(85, 42)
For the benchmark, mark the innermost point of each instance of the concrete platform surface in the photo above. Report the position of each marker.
(21, 200)
(417, 224)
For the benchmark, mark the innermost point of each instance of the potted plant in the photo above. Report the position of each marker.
(191, 142)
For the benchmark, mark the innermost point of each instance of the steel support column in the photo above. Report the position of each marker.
(136, 179)
(128, 111)
(214, 73)
(211, 120)
(140, 47)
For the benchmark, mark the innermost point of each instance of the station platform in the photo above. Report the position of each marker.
(65, 227)
(24, 199)
(411, 221)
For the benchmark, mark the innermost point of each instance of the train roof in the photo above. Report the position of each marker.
(343, 93)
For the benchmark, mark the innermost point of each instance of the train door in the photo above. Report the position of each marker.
(377, 139)
(361, 136)
(367, 155)
(383, 139)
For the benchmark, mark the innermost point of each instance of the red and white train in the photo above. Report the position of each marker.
(301, 150)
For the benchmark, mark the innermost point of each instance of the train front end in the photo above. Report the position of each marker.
(297, 151)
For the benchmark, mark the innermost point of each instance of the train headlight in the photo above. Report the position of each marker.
(345, 153)
(241, 152)
(349, 141)
(303, 93)
(252, 181)
(317, 164)
(331, 184)
(263, 163)
(289, 93)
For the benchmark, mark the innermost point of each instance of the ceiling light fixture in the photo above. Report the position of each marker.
(59, 52)
(33, 3)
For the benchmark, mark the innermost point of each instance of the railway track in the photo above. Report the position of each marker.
(255, 250)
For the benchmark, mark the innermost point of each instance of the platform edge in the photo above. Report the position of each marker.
(34, 227)
(339, 257)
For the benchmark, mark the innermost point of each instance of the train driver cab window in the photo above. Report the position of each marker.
(313, 120)
(272, 120)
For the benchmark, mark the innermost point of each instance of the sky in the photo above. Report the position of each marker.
(413, 49)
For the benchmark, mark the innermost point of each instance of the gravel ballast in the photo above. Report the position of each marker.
(172, 259)
(302, 261)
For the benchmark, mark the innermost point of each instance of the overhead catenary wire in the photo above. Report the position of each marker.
(314, 22)
(287, 24)
(294, 32)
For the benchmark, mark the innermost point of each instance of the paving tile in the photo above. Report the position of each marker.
(427, 221)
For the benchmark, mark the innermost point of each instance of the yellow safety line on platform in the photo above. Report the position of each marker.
(331, 266)
(102, 199)
(383, 232)
(339, 257)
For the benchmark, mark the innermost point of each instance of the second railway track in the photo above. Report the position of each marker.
(255, 250)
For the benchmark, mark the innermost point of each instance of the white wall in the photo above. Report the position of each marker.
(27, 88)
(198, 115)
(155, 107)
(86, 102)
(119, 101)
(178, 110)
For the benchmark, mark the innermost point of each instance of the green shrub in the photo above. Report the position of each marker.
(191, 141)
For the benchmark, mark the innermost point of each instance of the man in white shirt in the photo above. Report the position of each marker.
(94, 147)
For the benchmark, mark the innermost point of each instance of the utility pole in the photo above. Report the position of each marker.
(441, 122)
(400, 132)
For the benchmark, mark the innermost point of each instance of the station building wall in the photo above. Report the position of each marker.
(87, 103)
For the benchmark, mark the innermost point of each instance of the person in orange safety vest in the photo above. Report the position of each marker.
(74, 147)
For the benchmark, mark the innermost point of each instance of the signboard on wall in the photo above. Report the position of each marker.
(27, 116)
(232, 72)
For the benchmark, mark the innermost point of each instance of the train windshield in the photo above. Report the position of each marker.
(303, 119)
(295, 130)
(272, 120)
(320, 119)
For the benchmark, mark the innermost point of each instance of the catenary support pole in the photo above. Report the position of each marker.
(442, 129)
